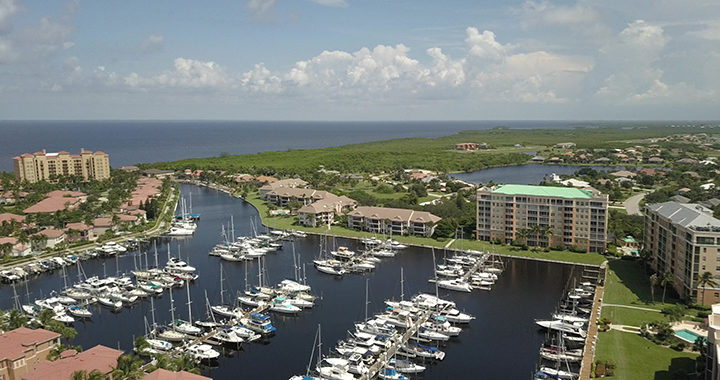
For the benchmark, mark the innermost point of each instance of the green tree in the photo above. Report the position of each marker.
(84, 375)
(667, 278)
(654, 280)
(129, 367)
(706, 279)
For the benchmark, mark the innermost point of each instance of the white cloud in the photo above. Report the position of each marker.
(711, 31)
(331, 3)
(559, 15)
(260, 8)
(483, 44)
(643, 35)
(187, 73)
(7, 9)
(153, 43)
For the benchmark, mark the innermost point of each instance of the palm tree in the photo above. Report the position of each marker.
(535, 231)
(548, 232)
(15, 319)
(128, 367)
(705, 279)
(185, 363)
(83, 375)
(653, 283)
(666, 279)
(6, 249)
(521, 235)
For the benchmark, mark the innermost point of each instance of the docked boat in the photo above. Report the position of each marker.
(343, 253)
(406, 366)
(79, 311)
(281, 305)
(334, 368)
(552, 373)
(561, 326)
(336, 270)
(259, 323)
(110, 302)
(159, 345)
(171, 335)
(457, 285)
(177, 265)
(202, 352)
(391, 373)
(293, 286)
(62, 317)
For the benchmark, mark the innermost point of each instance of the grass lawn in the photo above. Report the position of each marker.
(627, 283)
(632, 317)
(638, 358)
(566, 256)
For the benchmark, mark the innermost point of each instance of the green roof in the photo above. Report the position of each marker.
(544, 191)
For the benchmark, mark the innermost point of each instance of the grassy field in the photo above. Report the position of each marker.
(566, 256)
(627, 283)
(428, 153)
(638, 358)
(624, 316)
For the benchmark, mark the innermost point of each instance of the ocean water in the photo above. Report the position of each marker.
(527, 174)
(501, 343)
(131, 142)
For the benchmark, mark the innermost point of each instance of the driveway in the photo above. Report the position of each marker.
(632, 204)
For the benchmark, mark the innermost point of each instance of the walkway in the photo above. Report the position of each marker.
(592, 333)
(632, 204)
(632, 307)
(625, 328)
(449, 243)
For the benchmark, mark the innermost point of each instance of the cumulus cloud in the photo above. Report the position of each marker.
(261, 8)
(7, 9)
(187, 73)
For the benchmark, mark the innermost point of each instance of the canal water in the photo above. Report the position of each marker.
(501, 343)
(527, 174)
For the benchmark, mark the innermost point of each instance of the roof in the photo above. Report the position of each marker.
(102, 222)
(327, 205)
(163, 374)
(543, 191)
(51, 233)
(99, 358)
(64, 194)
(688, 215)
(399, 214)
(77, 226)
(7, 217)
(126, 218)
(14, 343)
(5, 240)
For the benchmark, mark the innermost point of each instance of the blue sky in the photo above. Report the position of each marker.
(360, 60)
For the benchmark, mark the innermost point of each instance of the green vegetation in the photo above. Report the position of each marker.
(426, 153)
(639, 358)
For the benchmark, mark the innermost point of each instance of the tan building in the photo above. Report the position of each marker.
(21, 349)
(712, 365)
(276, 185)
(392, 221)
(564, 216)
(684, 239)
(98, 358)
(323, 212)
(43, 166)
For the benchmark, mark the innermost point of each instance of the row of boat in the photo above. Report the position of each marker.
(566, 331)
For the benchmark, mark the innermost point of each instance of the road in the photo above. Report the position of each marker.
(632, 204)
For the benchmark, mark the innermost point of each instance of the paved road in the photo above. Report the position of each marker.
(632, 204)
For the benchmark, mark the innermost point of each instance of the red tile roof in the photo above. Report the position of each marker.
(64, 194)
(5, 240)
(14, 343)
(99, 358)
(77, 226)
(102, 222)
(51, 205)
(163, 374)
(51, 233)
(7, 217)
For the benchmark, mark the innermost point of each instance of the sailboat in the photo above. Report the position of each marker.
(171, 334)
(223, 309)
(187, 327)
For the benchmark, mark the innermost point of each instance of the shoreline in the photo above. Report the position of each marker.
(227, 190)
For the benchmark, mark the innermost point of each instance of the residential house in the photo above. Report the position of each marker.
(98, 358)
(78, 232)
(6, 217)
(655, 160)
(54, 237)
(538, 159)
(323, 212)
(57, 200)
(686, 161)
(266, 179)
(22, 349)
(290, 183)
(8, 197)
(163, 374)
(101, 225)
(555, 160)
(392, 221)
(623, 174)
(466, 146)
(565, 145)
(18, 249)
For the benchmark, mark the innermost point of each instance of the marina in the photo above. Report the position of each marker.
(525, 290)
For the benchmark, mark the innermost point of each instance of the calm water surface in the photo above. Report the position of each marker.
(502, 343)
(528, 174)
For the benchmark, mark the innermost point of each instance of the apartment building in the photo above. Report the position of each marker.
(684, 239)
(543, 216)
(22, 349)
(323, 212)
(712, 364)
(43, 166)
(392, 221)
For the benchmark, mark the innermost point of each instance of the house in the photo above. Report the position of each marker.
(18, 249)
(22, 349)
(101, 225)
(707, 186)
(158, 173)
(243, 178)
(565, 145)
(57, 200)
(129, 219)
(623, 174)
(82, 232)
(680, 199)
(575, 183)
(684, 190)
(163, 374)
(323, 212)
(8, 197)
(655, 160)
(129, 169)
(692, 174)
(266, 179)
(648, 171)
(555, 160)
(6, 217)
(392, 221)
(290, 183)
(53, 236)
(603, 160)
(466, 146)
(538, 159)
(98, 358)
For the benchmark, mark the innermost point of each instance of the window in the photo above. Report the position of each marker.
(717, 294)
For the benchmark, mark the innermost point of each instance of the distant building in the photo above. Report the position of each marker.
(273, 184)
(392, 221)
(158, 173)
(99, 358)
(565, 145)
(466, 146)
(53, 238)
(684, 239)
(22, 349)
(42, 166)
(323, 212)
(57, 201)
(573, 217)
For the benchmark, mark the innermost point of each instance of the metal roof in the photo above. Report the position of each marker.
(544, 191)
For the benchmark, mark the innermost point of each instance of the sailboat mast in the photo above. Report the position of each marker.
(152, 311)
(232, 229)
(187, 285)
(435, 274)
(172, 309)
(156, 254)
(222, 298)
(367, 282)
(402, 284)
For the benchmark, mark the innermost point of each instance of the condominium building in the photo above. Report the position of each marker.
(392, 221)
(543, 216)
(684, 239)
(22, 349)
(43, 166)
(712, 363)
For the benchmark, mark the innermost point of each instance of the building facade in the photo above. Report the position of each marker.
(684, 239)
(712, 364)
(324, 211)
(22, 349)
(392, 221)
(543, 216)
(43, 166)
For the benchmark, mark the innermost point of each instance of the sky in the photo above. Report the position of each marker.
(360, 60)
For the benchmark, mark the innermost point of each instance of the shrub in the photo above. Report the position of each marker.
(679, 346)
(703, 314)
(599, 369)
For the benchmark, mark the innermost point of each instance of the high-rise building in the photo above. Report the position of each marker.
(543, 216)
(684, 240)
(43, 166)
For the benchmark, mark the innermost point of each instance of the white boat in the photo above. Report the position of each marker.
(110, 302)
(343, 252)
(430, 334)
(78, 294)
(227, 336)
(226, 311)
(158, 344)
(280, 305)
(561, 326)
(569, 318)
(202, 352)
(455, 316)
(298, 233)
(300, 302)
(180, 231)
(430, 301)
(457, 285)
(64, 318)
(406, 366)
(391, 374)
(336, 270)
(177, 265)
(79, 311)
(553, 373)
(334, 368)
(293, 286)
(384, 253)
(171, 335)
